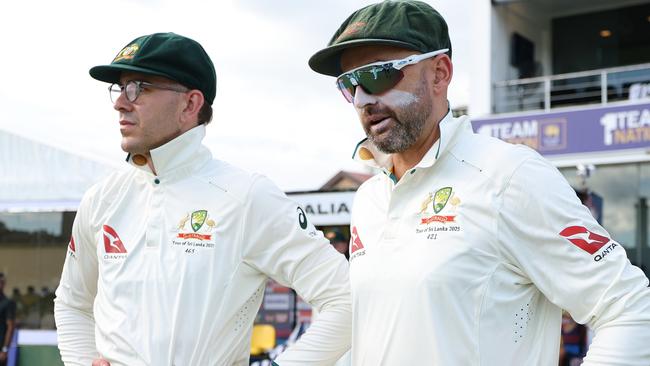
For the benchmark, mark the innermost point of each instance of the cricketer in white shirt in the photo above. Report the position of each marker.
(170, 269)
(469, 258)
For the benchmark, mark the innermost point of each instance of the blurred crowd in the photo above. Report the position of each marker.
(34, 310)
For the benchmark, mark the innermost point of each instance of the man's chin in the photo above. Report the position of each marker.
(128, 147)
(386, 146)
(382, 143)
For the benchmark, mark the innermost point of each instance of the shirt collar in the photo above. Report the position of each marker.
(367, 153)
(185, 151)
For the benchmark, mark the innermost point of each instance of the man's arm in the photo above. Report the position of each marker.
(281, 243)
(11, 324)
(548, 234)
(73, 306)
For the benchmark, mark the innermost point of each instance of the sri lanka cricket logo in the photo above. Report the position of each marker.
(437, 202)
(199, 222)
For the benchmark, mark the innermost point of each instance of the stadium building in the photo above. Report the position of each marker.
(571, 79)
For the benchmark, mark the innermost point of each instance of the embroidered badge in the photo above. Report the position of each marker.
(438, 208)
(199, 233)
(127, 52)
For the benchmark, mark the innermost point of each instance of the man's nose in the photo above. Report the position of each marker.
(363, 98)
(121, 103)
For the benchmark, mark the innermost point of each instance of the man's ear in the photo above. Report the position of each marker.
(194, 100)
(443, 71)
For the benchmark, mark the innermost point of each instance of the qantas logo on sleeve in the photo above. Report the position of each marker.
(584, 239)
(588, 241)
(72, 248)
(71, 245)
(356, 242)
(112, 241)
(356, 246)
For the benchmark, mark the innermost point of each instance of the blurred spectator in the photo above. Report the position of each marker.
(574, 341)
(17, 298)
(47, 309)
(7, 321)
(31, 309)
(562, 352)
(339, 241)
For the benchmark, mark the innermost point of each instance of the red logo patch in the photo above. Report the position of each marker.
(356, 241)
(437, 218)
(71, 245)
(584, 239)
(112, 242)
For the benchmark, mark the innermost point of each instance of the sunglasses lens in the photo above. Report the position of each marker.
(346, 87)
(379, 79)
(374, 80)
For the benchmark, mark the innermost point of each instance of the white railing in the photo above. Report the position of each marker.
(577, 88)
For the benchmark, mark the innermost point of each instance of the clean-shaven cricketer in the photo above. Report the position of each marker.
(169, 258)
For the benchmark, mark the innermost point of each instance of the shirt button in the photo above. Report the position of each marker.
(157, 181)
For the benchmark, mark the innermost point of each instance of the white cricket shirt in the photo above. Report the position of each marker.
(468, 259)
(170, 269)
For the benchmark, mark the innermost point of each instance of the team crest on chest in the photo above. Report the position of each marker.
(437, 213)
(444, 199)
(195, 230)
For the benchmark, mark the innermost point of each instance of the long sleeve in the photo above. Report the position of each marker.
(73, 306)
(545, 231)
(281, 243)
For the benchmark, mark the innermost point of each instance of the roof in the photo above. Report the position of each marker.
(345, 180)
(40, 177)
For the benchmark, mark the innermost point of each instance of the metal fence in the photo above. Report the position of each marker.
(578, 88)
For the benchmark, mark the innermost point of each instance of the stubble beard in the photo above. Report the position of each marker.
(410, 120)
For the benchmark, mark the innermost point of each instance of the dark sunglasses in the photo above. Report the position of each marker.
(377, 77)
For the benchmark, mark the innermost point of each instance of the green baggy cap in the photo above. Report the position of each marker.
(164, 54)
(408, 24)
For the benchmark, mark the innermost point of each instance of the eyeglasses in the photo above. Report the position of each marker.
(377, 77)
(133, 88)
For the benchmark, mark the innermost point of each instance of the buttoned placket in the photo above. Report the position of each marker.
(153, 235)
(393, 214)
(397, 201)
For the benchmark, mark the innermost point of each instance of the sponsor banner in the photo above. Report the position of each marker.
(325, 208)
(274, 301)
(577, 131)
(280, 308)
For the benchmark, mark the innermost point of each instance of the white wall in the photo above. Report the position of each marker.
(492, 28)
(480, 90)
(527, 19)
